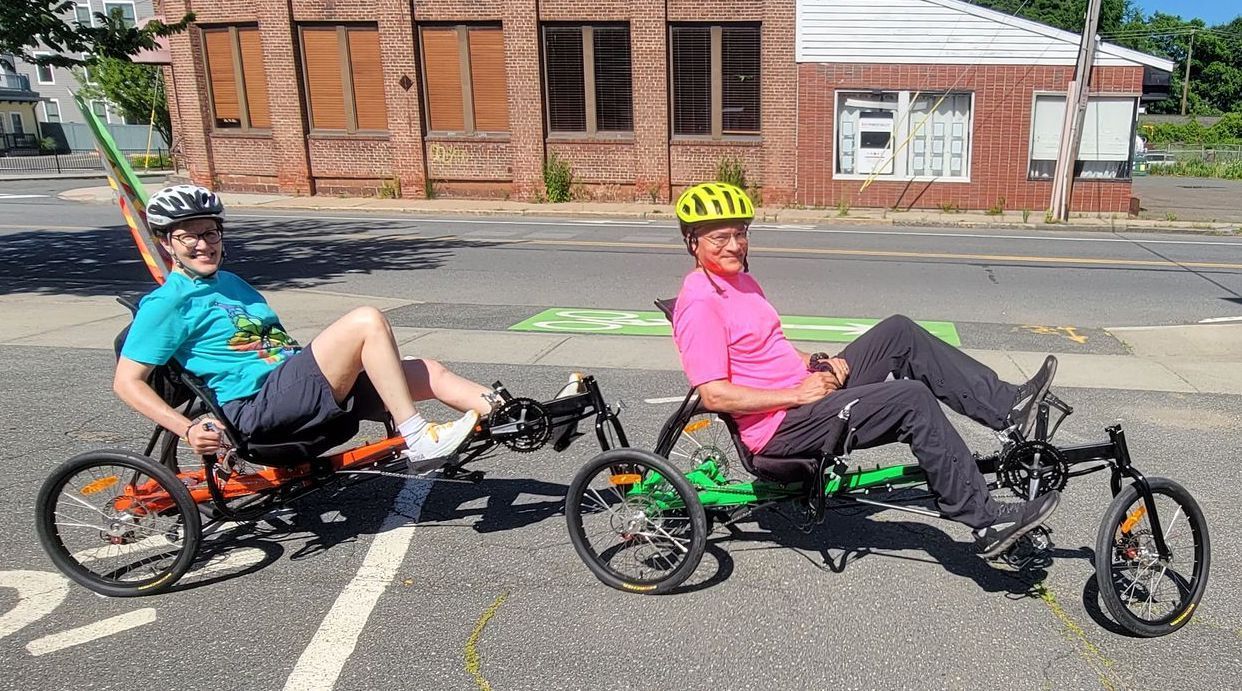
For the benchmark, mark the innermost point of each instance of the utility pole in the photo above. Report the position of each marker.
(1075, 112)
(1186, 80)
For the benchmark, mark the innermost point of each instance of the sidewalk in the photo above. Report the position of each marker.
(1193, 359)
(85, 174)
(486, 207)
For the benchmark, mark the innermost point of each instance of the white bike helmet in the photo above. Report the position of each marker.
(172, 205)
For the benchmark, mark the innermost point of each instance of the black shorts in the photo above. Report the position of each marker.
(296, 398)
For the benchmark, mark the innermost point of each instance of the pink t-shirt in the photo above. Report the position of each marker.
(735, 334)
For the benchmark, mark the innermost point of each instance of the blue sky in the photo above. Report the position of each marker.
(1211, 11)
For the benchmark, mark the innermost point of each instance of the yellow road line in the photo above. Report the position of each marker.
(1032, 259)
(474, 661)
(1090, 652)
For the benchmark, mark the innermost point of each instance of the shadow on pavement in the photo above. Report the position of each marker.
(286, 254)
(846, 538)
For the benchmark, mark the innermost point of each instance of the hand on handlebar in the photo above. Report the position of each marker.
(836, 366)
(816, 386)
(203, 436)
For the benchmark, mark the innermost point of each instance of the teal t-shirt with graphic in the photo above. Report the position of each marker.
(219, 328)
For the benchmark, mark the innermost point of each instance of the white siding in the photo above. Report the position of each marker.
(938, 32)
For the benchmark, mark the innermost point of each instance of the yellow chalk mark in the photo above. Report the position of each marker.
(1068, 332)
(474, 661)
(1088, 651)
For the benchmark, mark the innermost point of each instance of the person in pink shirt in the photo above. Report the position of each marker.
(894, 377)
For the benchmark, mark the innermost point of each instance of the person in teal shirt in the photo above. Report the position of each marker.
(222, 330)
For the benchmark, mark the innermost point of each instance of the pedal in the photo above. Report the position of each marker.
(1031, 551)
(430, 465)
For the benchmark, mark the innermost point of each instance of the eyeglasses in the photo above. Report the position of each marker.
(722, 239)
(190, 240)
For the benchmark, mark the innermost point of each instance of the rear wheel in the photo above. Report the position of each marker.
(1147, 595)
(636, 521)
(118, 523)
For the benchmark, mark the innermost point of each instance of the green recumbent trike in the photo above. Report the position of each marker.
(640, 523)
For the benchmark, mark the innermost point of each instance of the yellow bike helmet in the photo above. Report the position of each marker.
(714, 201)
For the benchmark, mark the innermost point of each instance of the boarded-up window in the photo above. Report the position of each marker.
(715, 76)
(487, 80)
(235, 78)
(587, 72)
(442, 75)
(464, 82)
(344, 78)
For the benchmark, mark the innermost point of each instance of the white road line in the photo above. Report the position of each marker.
(991, 236)
(91, 632)
(322, 661)
(38, 593)
(1217, 320)
(22, 196)
(670, 399)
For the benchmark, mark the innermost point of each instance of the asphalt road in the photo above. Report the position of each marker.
(1085, 280)
(910, 608)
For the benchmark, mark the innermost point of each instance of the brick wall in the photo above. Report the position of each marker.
(1001, 126)
(792, 157)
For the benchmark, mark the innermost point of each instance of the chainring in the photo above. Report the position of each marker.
(1028, 459)
(521, 424)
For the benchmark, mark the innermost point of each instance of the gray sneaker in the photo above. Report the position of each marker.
(1026, 405)
(1013, 521)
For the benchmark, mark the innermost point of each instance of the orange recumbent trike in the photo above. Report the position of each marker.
(125, 524)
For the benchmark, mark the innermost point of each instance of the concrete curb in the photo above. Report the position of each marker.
(603, 210)
(1195, 359)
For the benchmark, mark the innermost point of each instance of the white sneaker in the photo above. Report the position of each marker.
(443, 439)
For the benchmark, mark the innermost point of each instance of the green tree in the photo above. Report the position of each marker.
(32, 25)
(135, 89)
(1215, 61)
(1065, 14)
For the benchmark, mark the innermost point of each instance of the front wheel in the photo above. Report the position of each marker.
(636, 521)
(118, 523)
(1147, 595)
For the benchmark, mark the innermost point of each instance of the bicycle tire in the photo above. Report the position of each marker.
(184, 532)
(690, 520)
(1125, 557)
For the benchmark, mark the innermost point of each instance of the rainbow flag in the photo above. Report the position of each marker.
(131, 196)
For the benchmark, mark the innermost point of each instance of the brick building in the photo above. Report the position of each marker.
(918, 103)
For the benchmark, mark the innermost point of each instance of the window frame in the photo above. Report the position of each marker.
(90, 14)
(590, 105)
(107, 11)
(50, 69)
(243, 95)
(107, 115)
(347, 82)
(1129, 162)
(16, 123)
(466, 76)
(902, 127)
(43, 105)
(716, 95)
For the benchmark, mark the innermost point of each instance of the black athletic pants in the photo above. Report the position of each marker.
(925, 369)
